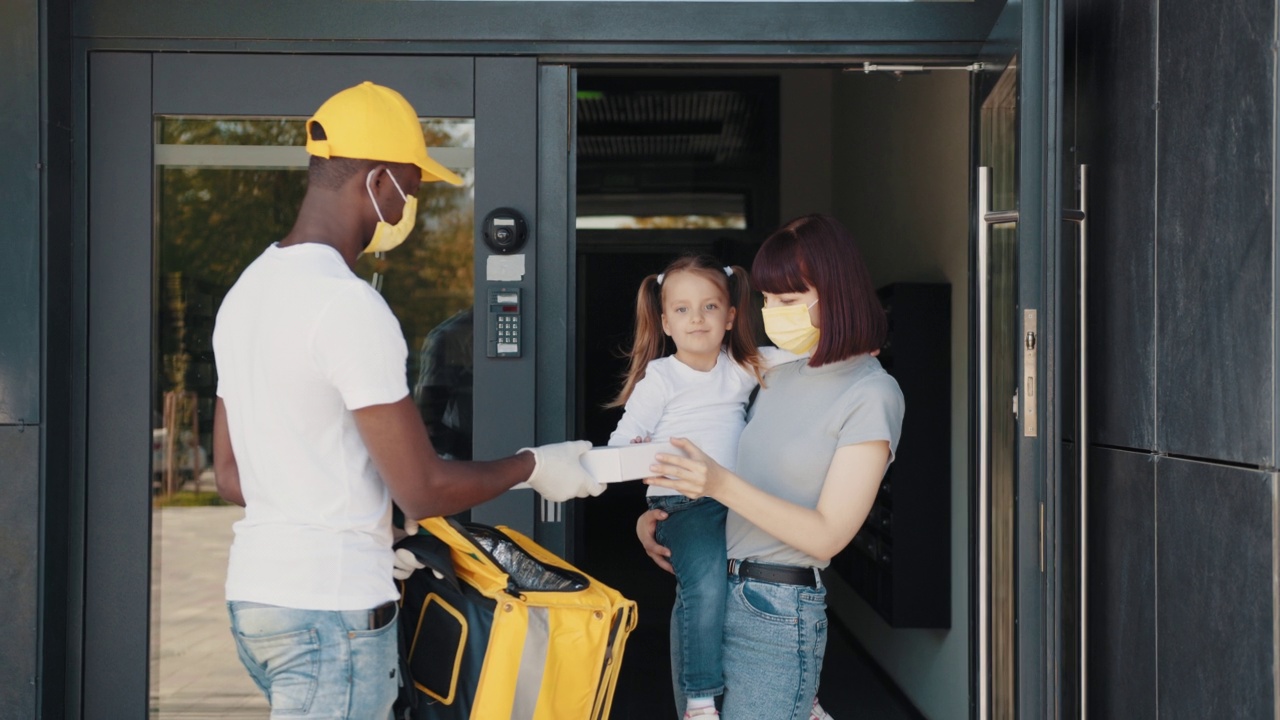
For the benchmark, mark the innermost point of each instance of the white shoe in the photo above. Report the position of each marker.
(818, 713)
(710, 712)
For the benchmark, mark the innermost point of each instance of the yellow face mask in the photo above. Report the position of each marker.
(789, 328)
(387, 236)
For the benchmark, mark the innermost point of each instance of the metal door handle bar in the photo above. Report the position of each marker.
(1001, 217)
(987, 218)
(1081, 217)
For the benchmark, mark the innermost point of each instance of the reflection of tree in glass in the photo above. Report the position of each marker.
(214, 221)
(431, 275)
(230, 131)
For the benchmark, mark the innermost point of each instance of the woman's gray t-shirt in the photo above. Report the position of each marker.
(800, 418)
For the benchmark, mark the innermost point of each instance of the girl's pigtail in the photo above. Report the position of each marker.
(742, 338)
(649, 343)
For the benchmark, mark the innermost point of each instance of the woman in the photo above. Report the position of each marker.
(820, 436)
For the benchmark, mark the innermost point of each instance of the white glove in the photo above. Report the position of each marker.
(400, 533)
(558, 473)
(406, 563)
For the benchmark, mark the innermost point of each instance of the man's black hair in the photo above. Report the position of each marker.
(332, 173)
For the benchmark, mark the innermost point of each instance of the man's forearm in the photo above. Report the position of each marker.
(458, 485)
(421, 482)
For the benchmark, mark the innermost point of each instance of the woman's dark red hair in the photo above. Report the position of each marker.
(817, 251)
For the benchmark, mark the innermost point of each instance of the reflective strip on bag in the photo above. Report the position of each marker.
(533, 661)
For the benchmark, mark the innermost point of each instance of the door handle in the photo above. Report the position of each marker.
(1081, 218)
(986, 219)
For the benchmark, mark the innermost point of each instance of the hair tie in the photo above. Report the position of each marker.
(728, 271)
(660, 276)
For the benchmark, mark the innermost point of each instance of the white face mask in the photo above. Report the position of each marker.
(789, 327)
(387, 236)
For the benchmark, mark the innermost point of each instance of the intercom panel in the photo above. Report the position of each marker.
(504, 322)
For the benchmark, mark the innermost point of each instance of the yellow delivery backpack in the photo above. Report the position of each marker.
(507, 630)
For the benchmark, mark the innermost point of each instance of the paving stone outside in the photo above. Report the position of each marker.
(195, 673)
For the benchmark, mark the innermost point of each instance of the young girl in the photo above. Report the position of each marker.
(700, 392)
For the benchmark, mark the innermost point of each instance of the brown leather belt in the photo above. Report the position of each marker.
(768, 572)
(382, 615)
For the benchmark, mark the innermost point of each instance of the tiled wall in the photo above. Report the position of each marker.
(1174, 113)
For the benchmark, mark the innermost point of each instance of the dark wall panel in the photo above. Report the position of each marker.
(20, 212)
(1122, 585)
(1115, 136)
(1214, 229)
(19, 540)
(1215, 592)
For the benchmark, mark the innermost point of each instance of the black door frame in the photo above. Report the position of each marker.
(938, 31)
(127, 91)
(1032, 33)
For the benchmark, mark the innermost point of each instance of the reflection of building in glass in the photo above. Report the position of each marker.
(443, 389)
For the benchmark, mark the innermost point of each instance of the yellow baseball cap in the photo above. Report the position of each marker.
(372, 122)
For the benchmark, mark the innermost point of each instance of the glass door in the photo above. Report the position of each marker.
(197, 165)
(224, 187)
(998, 253)
(1016, 119)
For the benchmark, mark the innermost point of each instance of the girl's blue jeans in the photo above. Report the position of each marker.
(694, 532)
(775, 638)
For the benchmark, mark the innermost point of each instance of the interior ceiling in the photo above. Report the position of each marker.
(706, 126)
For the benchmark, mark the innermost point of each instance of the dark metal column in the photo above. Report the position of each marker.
(506, 176)
(556, 288)
(118, 452)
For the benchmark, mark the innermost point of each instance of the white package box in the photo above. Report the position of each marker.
(625, 462)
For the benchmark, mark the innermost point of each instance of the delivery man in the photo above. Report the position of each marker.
(315, 432)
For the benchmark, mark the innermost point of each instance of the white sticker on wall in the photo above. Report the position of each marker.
(504, 268)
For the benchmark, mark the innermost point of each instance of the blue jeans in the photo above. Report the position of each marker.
(694, 531)
(318, 663)
(774, 642)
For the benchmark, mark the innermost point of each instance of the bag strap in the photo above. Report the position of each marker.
(434, 553)
(462, 529)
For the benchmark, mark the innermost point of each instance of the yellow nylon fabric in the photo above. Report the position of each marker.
(580, 670)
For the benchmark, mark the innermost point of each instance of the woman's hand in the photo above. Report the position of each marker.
(646, 529)
(694, 476)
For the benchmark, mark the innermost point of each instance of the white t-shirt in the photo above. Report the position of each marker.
(709, 408)
(300, 342)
